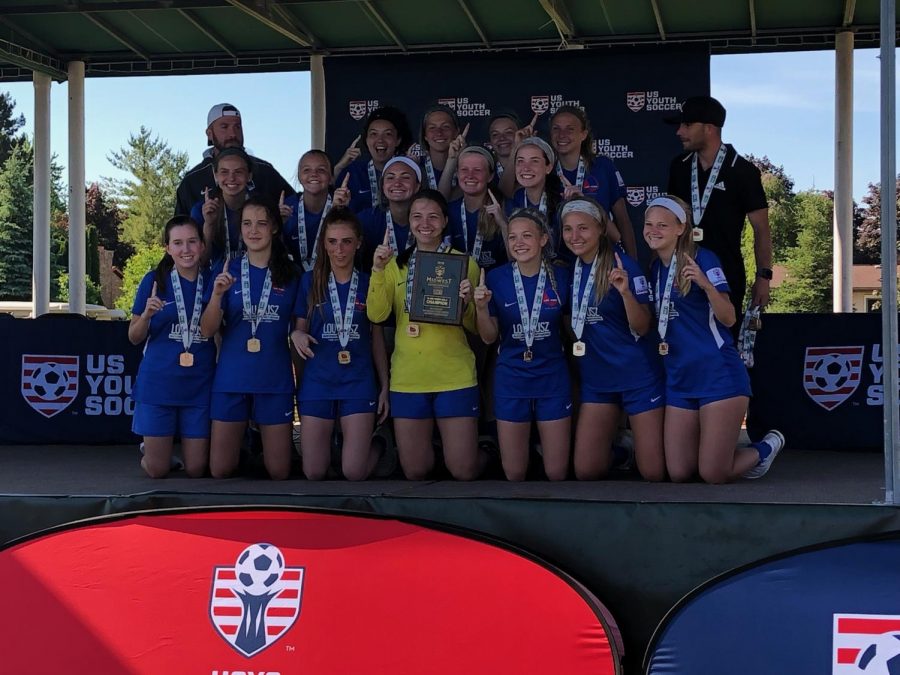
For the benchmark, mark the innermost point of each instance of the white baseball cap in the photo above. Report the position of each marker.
(221, 110)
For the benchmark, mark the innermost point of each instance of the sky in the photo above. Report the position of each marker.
(779, 105)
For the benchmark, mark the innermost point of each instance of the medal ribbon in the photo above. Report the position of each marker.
(664, 304)
(580, 313)
(187, 331)
(343, 319)
(429, 172)
(479, 237)
(579, 174)
(698, 205)
(373, 184)
(529, 323)
(309, 260)
(260, 311)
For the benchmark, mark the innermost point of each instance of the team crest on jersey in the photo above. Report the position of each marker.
(255, 602)
(540, 104)
(635, 100)
(640, 285)
(358, 110)
(832, 374)
(636, 195)
(49, 383)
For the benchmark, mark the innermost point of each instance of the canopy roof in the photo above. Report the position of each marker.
(161, 37)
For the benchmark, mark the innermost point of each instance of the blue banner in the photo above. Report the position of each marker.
(833, 610)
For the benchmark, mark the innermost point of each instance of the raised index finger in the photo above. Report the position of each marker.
(466, 130)
(281, 200)
(618, 261)
(387, 237)
(690, 260)
(356, 141)
(346, 180)
(481, 283)
(534, 120)
(493, 198)
(153, 290)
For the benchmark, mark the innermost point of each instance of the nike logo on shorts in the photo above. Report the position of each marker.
(509, 304)
(569, 407)
(371, 404)
(655, 399)
(474, 408)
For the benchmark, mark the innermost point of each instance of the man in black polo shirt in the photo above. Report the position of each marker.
(722, 188)
(224, 130)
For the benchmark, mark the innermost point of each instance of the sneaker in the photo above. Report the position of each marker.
(775, 440)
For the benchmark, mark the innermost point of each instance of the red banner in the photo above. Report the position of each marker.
(288, 591)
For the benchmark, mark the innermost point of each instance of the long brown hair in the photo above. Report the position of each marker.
(318, 289)
(605, 254)
(161, 275)
(587, 145)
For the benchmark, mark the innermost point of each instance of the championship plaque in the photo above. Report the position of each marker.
(435, 293)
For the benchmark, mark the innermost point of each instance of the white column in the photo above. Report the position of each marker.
(889, 249)
(317, 100)
(842, 262)
(77, 216)
(40, 275)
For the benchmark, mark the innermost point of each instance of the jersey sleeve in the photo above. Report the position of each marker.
(143, 293)
(639, 284)
(380, 295)
(712, 267)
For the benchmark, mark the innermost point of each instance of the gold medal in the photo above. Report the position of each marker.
(344, 357)
(527, 356)
(254, 345)
(186, 359)
(697, 234)
(663, 348)
(412, 330)
(579, 348)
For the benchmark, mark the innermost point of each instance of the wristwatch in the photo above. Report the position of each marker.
(764, 273)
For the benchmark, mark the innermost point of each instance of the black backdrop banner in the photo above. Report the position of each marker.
(625, 94)
(66, 379)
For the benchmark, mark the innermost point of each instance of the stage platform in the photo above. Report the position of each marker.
(638, 546)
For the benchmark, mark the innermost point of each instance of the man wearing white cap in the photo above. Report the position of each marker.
(224, 130)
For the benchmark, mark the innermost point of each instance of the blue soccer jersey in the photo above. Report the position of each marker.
(160, 379)
(360, 186)
(602, 182)
(291, 229)
(616, 359)
(559, 249)
(700, 347)
(493, 251)
(546, 375)
(374, 223)
(269, 370)
(324, 377)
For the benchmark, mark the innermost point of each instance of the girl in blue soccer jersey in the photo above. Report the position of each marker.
(441, 142)
(476, 218)
(399, 182)
(523, 303)
(302, 213)
(618, 367)
(583, 172)
(385, 134)
(539, 186)
(252, 300)
(707, 387)
(220, 209)
(343, 352)
(172, 389)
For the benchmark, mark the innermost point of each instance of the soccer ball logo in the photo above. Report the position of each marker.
(49, 380)
(832, 374)
(259, 569)
(255, 600)
(882, 657)
(49, 383)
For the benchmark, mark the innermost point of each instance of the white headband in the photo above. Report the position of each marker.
(581, 206)
(542, 144)
(671, 205)
(405, 160)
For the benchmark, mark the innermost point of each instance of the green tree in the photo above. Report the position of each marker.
(10, 123)
(868, 232)
(148, 196)
(16, 225)
(92, 290)
(145, 258)
(808, 284)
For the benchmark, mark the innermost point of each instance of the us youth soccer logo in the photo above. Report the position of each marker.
(540, 104)
(866, 644)
(635, 195)
(832, 374)
(49, 383)
(256, 601)
(635, 100)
